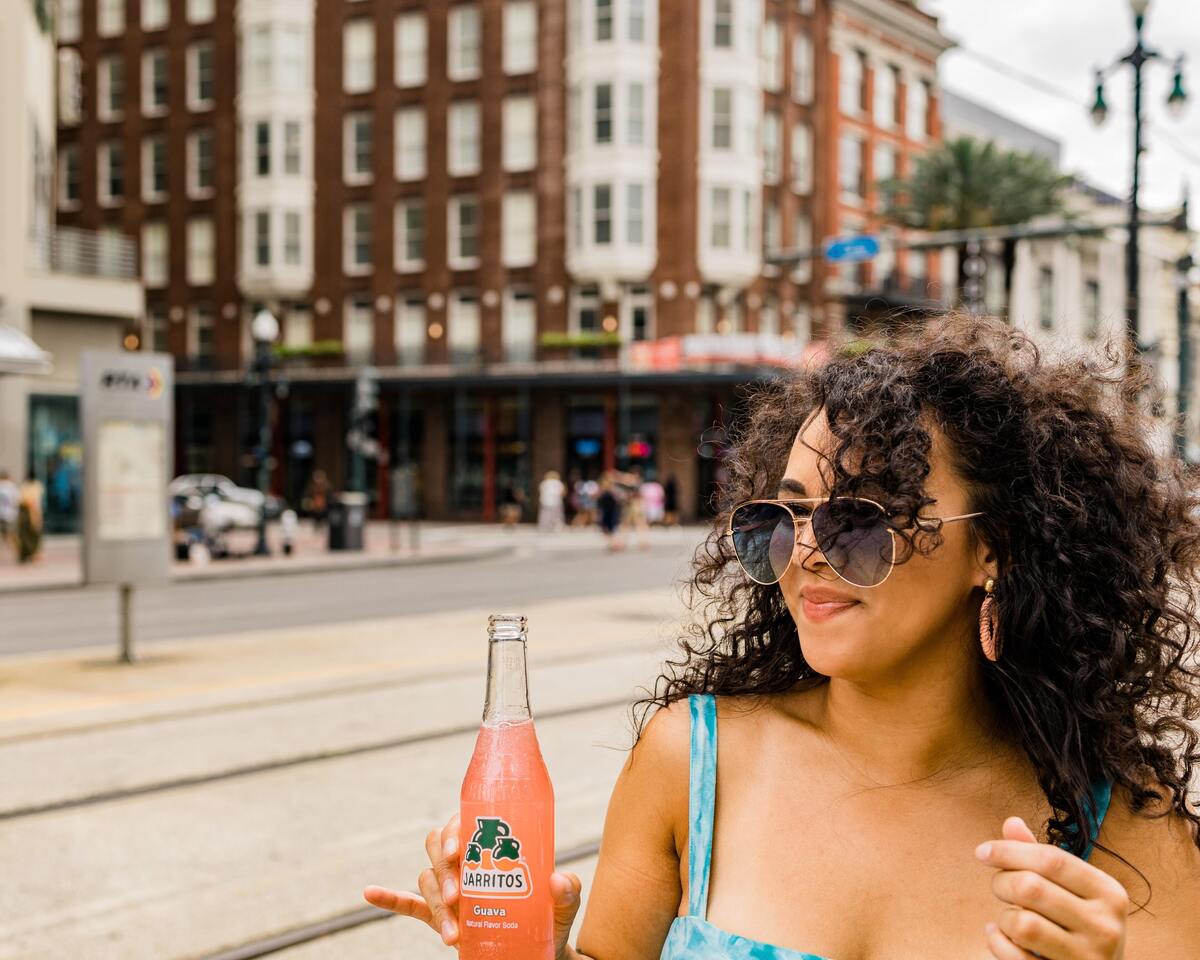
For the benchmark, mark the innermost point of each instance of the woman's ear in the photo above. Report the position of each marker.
(986, 563)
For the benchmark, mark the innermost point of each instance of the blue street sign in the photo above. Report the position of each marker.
(851, 248)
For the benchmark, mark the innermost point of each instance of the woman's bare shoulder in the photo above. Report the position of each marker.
(1162, 876)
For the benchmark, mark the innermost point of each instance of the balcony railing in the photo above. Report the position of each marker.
(87, 253)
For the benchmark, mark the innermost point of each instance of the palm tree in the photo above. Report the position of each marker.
(966, 183)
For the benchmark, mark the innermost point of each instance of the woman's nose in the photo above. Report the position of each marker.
(806, 553)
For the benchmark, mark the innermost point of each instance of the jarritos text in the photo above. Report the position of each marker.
(493, 866)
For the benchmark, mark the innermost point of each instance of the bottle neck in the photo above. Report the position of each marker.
(507, 680)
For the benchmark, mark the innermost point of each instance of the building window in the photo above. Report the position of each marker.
(1091, 309)
(637, 114)
(410, 144)
(464, 138)
(293, 254)
(409, 336)
(520, 36)
(262, 238)
(464, 35)
(111, 88)
(293, 57)
(154, 168)
(359, 334)
(772, 227)
(722, 120)
(410, 235)
(887, 85)
(201, 11)
(850, 167)
(358, 51)
(885, 163)
(156, 321)
(641, 317)
(602, 214)
(802, 68)
(1046, 298)
(586, 311)
(604, 20)
(852, 80)
(200, 76)
(358, 226)
(68, 176)
(462, 328)
(155, 14)
(154, 82)
(110, 17)
(802, 160)
(154, 254)
(201, 327)
(298, 328)
(201, 259)
(637, 21)
(722, 227)
(112, 172)
(258, 58)
(603, 114)
(772, 144)
(200, 163)
(772, 55)
(802, 239)
(411, 44)
(70, 86)
(262, 148)
(519, 326)
(635, 214)
(519, 229)
(68, 21)
(291, 148)
(357, 146)
(464, 232)
(520, 133)
(723, 24)
(917, 119)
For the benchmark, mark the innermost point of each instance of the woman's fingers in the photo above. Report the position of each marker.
(442, 920)
(1032, 891)
(1002, 948)
(443, 881)
(1055, 864)
(565, 888)
(399, 901)
(1034, 933)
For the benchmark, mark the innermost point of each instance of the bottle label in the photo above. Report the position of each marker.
(493, 864)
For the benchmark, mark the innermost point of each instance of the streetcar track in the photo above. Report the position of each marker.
(307, 933)
(302, 696)
(320, 756)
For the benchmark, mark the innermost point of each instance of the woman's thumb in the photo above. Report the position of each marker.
(565, 888)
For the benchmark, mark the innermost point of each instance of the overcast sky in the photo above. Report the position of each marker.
(1060, 42)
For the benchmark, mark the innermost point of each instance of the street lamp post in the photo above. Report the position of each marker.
(1138, 57)
(265, 330)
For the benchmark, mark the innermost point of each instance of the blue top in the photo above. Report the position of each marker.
(692, 937)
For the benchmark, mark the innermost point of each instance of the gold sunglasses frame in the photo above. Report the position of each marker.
(797, 520)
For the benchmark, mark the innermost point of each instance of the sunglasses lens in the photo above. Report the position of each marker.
(763, 538)
(855, 538)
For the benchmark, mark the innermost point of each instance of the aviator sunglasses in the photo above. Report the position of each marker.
(853, 534)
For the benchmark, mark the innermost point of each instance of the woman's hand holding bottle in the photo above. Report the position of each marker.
(437, 904)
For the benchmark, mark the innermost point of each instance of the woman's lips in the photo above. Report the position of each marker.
(819, 611)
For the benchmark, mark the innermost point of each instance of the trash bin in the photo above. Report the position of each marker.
(347, 517)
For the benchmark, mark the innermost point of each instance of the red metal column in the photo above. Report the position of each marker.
(610, 432)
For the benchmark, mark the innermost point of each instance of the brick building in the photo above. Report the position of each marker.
(495, 207)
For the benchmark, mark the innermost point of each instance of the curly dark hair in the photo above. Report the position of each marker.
(1096, 536)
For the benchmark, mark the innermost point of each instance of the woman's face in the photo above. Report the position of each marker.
(923, 616)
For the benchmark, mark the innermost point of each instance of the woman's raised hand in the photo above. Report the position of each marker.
(437, 904)
(1056, 905)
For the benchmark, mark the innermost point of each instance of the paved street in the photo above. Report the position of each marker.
(247, 782)
(514, 567)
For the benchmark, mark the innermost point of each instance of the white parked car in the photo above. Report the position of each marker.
(215, 488)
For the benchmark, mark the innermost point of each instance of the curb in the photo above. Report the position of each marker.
(234, 572)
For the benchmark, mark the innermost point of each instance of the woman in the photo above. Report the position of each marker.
(30, 518)
(608, 504)
(953, 725)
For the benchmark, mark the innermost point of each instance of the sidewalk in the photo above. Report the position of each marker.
(384, 544)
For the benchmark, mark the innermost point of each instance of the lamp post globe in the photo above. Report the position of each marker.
(264, 328)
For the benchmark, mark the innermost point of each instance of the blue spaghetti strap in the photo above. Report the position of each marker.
(1095, 811)
(702, 798)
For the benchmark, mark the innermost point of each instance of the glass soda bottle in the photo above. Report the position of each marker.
(507, 818)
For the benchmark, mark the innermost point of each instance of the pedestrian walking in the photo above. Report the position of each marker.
(9, 498)
(318, 498)
(551, 492)
(30, 519)
(652, 502)
(512, 504)
(963, 607)
(608, 503)
(635, 506)
(671, 501)
(586, 494)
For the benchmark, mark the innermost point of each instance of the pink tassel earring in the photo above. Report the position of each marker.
(989, 623)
